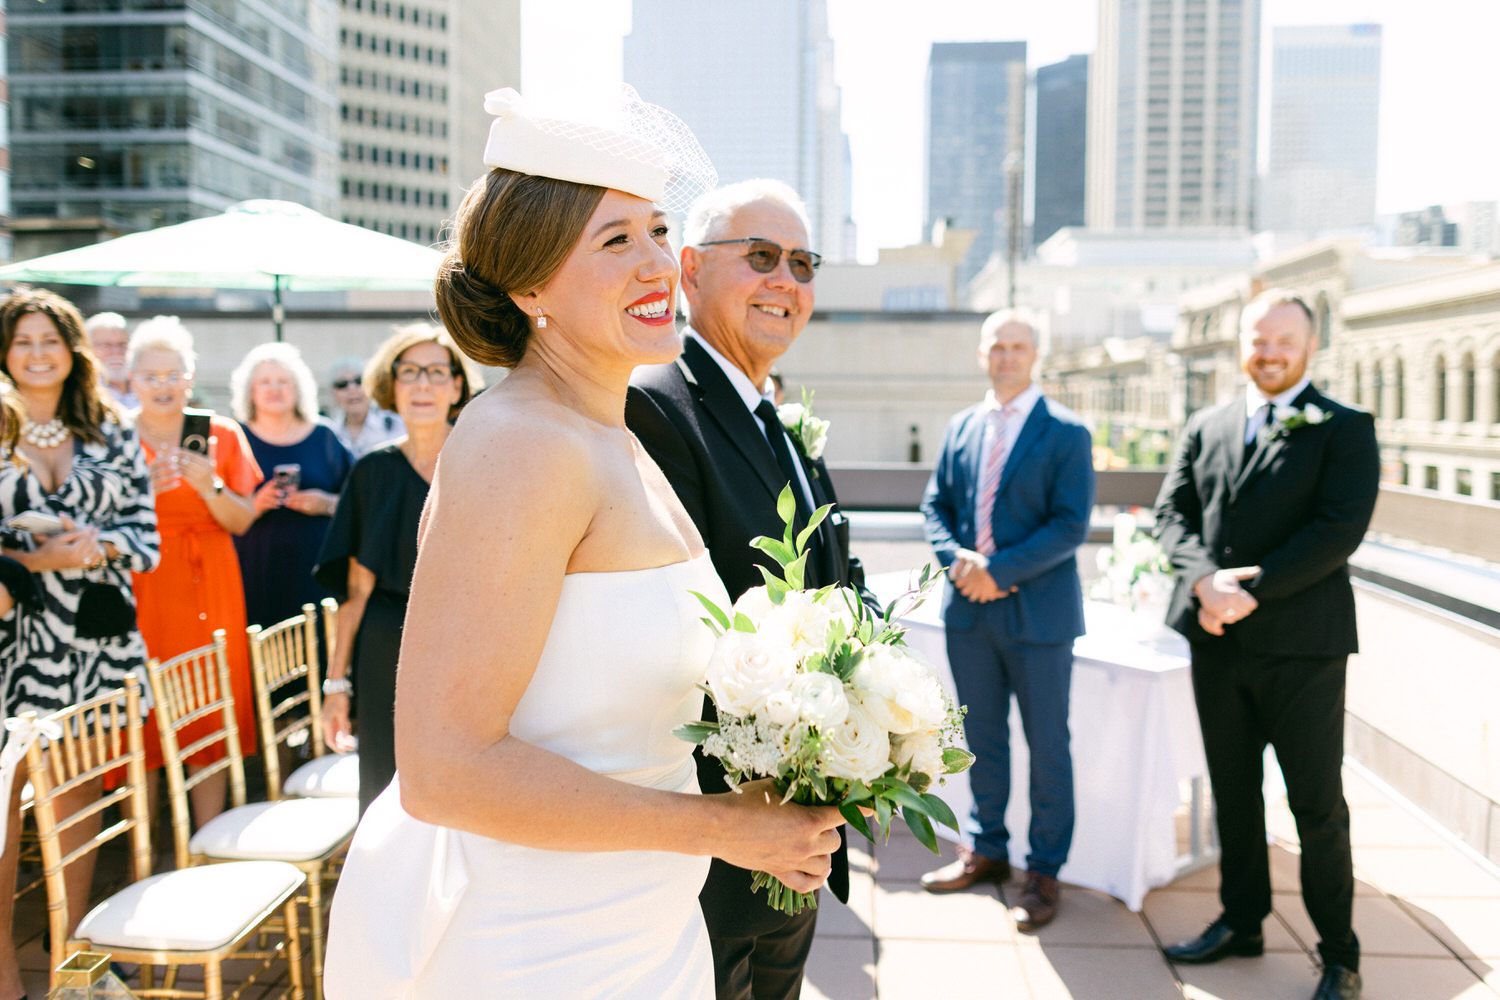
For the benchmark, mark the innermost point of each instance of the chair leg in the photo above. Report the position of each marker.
(213, 980)
(294, 950)
(315, 927)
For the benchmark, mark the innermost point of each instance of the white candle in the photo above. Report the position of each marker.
(1124, 531)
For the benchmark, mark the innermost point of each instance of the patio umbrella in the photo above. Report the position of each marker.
(273, 246)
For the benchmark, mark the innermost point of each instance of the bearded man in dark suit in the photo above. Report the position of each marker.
(1266, 499)
(708, 421)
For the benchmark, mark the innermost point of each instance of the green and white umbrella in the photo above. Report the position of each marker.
(275, 246)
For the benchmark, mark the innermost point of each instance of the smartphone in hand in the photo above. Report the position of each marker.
(288, 478)
(38, 522)
(196, 430)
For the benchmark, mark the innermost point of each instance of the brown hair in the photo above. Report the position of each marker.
(379, 377)
(511, 233)
(84, 406)
(12, 415)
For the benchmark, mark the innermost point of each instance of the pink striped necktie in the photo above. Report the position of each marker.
(989, 481)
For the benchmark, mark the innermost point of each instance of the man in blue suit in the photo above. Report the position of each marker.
(1006, 509)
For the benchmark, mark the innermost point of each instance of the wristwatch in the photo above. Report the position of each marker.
(338, 685)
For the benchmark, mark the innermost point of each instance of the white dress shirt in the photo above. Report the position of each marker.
(1255, 402)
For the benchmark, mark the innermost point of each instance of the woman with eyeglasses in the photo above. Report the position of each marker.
(304, 466)
(203, 485)
(362, 426)
(85, 483)
(371, 548)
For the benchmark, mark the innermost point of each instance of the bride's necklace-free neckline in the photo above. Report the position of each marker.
(45, 436)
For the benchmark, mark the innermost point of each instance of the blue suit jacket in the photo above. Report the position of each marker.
(1041, 517)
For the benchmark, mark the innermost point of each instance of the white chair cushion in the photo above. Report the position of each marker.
(332, 776)
(196, 909)
(290, 830)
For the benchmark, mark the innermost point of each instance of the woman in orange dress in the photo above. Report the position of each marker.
(202, 499)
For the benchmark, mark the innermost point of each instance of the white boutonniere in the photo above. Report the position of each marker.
(1289, 418)
(810, 432)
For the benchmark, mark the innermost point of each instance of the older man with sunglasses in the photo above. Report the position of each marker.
(709, 421)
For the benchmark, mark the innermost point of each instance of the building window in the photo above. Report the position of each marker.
(1440, 389)
(1400, 389)
(1463, 482)
(1359, 385)
(1377, 396)
(1470, 390)
(1430, 480)
(1495, 485)
(1325, 323)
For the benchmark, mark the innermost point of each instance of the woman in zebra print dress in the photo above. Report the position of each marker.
(84, 465)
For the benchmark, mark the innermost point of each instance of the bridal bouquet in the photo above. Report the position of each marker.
(820, 693)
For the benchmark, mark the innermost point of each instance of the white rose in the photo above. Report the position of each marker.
(1315, 414)
(820, 699)
(754, 604)
(799, 623)
(899, 690)
(790, 415)
(814, 436)
(745, 669)
(857, 748)
(1284, 413)
(782, 708)
(922, 750)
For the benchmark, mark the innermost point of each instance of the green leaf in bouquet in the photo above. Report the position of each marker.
(883, 810)
(742, 622)
(837, 633)
(794, 571)
(820, 786)
(776, 588)
(780, 551)
(920, 826)
(956, 760)
(812, 525)
(939, 811)
(713, 609)
(903, 794)
(816, 663)
(696, 732)
(858, 792)
(851, 812)
(844, 661)
(919, 781)
(786, 508)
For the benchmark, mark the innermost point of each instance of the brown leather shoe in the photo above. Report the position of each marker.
(968, 871)
(1038, 903)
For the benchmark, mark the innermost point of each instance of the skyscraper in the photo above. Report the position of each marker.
(1325, 125)
(1059, 177)
(1172, 114)
(412, 125)
(975, 120)
(755, 83)
(133, 116)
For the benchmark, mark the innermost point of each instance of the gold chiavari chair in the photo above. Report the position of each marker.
(193, 917)
(283, 660)
(308, 833)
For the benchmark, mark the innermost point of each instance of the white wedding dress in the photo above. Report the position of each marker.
(424, 912)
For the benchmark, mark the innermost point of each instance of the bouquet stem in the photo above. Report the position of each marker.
(780, 896)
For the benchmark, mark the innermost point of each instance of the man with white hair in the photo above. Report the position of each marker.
(110, 339)
(1006, 509)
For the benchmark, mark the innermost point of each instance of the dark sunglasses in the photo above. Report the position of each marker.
(764, 255)
(344, 383)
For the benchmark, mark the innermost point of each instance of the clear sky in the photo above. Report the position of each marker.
(1439, 127)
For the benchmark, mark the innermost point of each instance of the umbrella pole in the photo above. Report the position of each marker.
(278, 311)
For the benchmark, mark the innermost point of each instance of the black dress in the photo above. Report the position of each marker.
(376, 524)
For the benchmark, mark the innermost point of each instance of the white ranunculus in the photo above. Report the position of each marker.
(923, 750)
(857, 748)
(754, 604)
(899, 690)
(782, 708)
(820, 699)
(799, 623)
(745, 669)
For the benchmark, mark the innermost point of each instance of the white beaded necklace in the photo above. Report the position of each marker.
(49, 435)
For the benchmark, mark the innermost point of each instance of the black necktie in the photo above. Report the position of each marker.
(781, 445)
(1254, 442)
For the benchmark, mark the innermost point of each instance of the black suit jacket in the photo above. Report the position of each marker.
(1298, 509)
(713, 451)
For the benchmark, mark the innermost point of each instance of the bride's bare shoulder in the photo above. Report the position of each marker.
(515, 440)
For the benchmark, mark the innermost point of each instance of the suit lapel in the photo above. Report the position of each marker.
(1230, 430)
(724, 405)
(972, 452)
(1269, 443)
(1031, 432)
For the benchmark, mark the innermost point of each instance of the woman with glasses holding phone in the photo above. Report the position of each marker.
(304, 466)
(203, 475)
(85, 482)
(371, 548)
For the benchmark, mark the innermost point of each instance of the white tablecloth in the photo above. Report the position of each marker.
(1135, 743)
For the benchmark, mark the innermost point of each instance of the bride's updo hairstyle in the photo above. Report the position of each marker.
(511, 234)
(518, 223)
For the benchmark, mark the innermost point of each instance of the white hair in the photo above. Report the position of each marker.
(712, 210)
(287, 356)
(104, 321)
(346, 366)
(162, 333)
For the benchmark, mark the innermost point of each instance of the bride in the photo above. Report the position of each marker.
(543, 837)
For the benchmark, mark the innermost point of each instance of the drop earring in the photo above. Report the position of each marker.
(541, 319)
